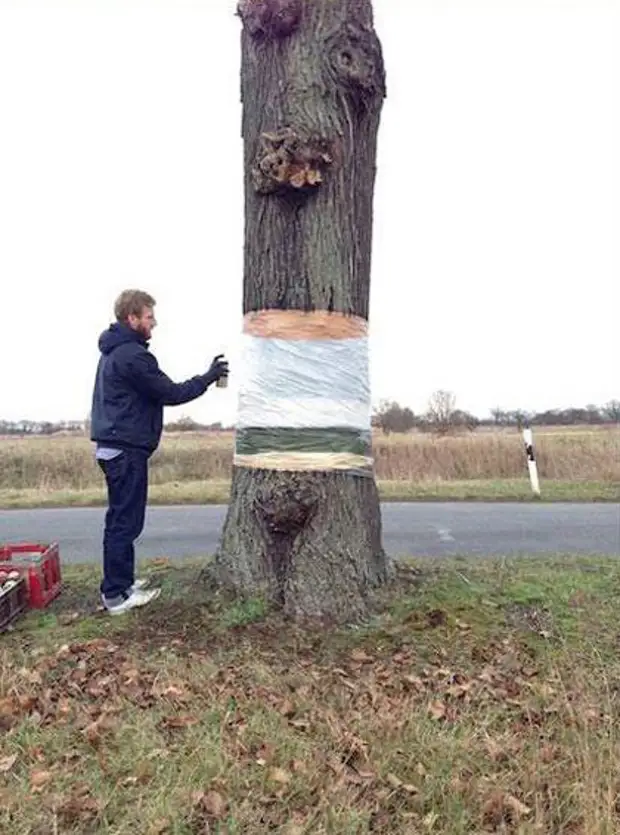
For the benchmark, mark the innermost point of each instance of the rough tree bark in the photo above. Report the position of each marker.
(313, 85)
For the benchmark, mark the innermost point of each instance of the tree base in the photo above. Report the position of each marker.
(307, 542)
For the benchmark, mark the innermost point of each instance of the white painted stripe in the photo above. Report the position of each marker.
(314, 413)
(304, 383)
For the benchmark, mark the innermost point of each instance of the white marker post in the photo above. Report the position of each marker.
(531, 461)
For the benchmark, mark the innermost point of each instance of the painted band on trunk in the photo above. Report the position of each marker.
(302, 324)
(323, 383)
(260, 440)
(304, 394)
(307, 462)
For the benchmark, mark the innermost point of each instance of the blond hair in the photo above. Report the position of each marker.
(132, 303)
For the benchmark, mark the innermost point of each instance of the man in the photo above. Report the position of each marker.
(126, 423)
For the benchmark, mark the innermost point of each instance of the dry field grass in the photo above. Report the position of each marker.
(482, 697)
(586, 462)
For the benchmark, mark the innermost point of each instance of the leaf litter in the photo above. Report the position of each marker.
(429, 721)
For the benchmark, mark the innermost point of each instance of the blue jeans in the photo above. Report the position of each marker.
(127, 480)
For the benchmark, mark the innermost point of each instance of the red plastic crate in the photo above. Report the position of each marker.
(40, 566)
(12, 603)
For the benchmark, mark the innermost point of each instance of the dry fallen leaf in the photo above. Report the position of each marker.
(493, 810)
(287, 708)
(80, 807)
(498, 753)
(179, 721)
(415, 681)
(264, 754)
(430, 820)
(394, 781)
(173, 691)
(132, 780)
(159, 826)
(7, 763)
(38, 778)
(214, 804)
(401, 657)
(437, 710)
(31, 676)
(68, 619)
(503, 808)
(519, 809)
(96, 645)
(95, 731)
(279, 775)
(359, 656)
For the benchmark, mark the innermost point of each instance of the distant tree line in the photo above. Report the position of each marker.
(40, 427)
(187, 424)
(82, 427)
(591, 415)
(442, 416)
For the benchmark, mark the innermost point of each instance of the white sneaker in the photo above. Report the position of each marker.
(137, 598)
(142, 583)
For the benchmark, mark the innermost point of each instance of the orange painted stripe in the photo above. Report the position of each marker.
(300, 324)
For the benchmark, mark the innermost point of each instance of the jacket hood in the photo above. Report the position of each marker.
(118, 334)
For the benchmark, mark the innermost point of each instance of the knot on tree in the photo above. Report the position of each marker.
(355, 59)
(285, 513)
(287, 162)
(270, 18)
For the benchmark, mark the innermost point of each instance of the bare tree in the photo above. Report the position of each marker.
(499, 416)
(303, 524)
(441, 411)
(392, 417)
(611, 411)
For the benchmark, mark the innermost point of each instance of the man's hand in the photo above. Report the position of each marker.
(219, 368)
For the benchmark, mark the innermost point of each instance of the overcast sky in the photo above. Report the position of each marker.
(495, 270)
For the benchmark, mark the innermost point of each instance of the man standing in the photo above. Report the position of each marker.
(126, 423)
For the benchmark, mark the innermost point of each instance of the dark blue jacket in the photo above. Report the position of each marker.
(131, 392)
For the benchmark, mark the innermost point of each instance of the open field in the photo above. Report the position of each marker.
(481, 697)
(579, 465)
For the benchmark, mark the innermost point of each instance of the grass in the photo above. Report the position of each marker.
(573, 466)
(481, 697)
(217, 492)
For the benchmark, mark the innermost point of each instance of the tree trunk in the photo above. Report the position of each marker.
(303, 525)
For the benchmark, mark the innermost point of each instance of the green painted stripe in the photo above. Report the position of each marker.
(255, 441)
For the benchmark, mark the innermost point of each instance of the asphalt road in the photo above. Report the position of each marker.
(420, 529)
